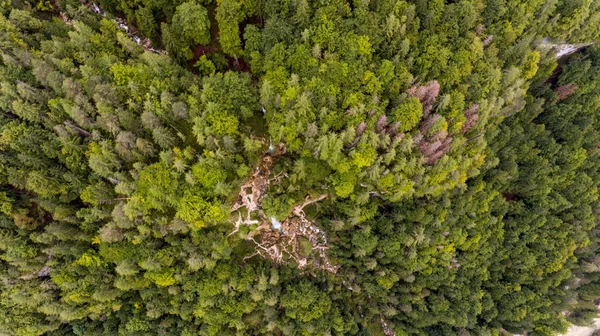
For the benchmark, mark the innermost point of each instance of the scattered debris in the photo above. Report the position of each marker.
(276, 150)
(563, 92)
(277, 240)
(44, 272)
(64, 17)
(295, 238)
(275, 224)
(563, 49)
(144, 42)
(252, 191)
(471, 116)
(387, 330)
(454, 263)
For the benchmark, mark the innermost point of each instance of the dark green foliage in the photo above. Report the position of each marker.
(450, 165)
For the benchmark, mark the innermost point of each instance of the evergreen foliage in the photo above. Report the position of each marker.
(299, 167)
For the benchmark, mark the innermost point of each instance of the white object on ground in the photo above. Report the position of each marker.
(275, 224)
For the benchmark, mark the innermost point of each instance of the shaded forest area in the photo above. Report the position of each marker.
(298, 167)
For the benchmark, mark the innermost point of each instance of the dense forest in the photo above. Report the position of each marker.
(299, 167)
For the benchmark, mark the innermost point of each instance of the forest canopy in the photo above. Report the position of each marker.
(299, 167)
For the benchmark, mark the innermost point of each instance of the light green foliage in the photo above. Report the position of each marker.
(229, 14)
(305, 302)
(221, 122)
(156, 187)
(531, 64)
(408, 113)
(197, 211)
(205, 66)
(162, 278)
(438, 157)
(191, 23)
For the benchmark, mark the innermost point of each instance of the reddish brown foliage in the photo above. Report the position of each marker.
(201, 50)
(393, 129)
(360, 129)
(427, 94)
(565, 91)
(479, 29)
(471, 117)
(428, 149)
(382, 123)
(433, 151)
(439, 136)
(428, 122)
(488, 40)
(433, 146)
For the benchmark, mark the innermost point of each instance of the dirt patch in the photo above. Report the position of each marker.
(201, 50)
(131, 31)
(583, 331)
(510, 197)
(251, 193)
(296, 238)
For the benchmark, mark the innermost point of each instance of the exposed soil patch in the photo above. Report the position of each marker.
(296, 238)
(510, 197)
(131, 31)
(238, 64)
(201, 50)
(233, 63)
